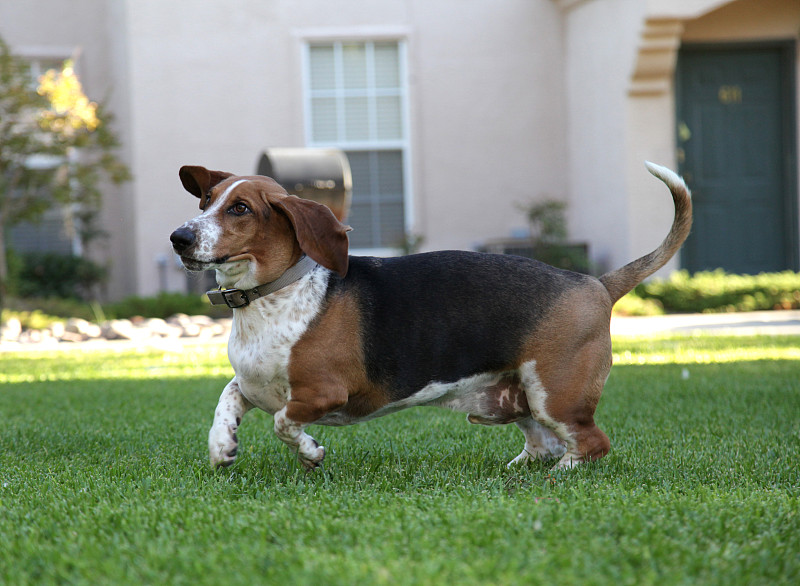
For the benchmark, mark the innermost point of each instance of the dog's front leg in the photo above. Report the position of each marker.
(222, 441)
(305, 407)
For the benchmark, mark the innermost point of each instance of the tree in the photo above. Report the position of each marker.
(56, 148)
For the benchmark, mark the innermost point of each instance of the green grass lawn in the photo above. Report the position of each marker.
(104, 479)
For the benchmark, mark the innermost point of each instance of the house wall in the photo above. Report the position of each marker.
(598, 70)
(509, 102)
(214, 83)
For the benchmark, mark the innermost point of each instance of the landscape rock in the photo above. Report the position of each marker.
(137, 329)
(11, 330)
(57, 329)
(160, 327)
(72, 337)
(84, 328)
(123, 329)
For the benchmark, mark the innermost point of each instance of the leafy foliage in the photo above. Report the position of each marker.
(548, 228)
(717, 291)
(547, 220)
(164, 305)
(51, 274)
(56, 147)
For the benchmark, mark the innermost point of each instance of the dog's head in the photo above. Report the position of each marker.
(250, 230)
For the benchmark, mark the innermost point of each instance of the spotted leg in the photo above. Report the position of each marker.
(306, 406)
(540, 443)
(222, 440)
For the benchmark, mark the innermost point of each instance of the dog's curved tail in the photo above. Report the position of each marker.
(622, 280)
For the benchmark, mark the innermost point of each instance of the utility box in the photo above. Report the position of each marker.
(321, 175)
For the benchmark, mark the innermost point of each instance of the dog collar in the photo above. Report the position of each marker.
(238, 298)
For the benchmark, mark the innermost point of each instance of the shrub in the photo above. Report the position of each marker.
(164, 305)
(54, 307)
(35, 320)
(632, 304)
(15, 266)
(716, 291)
(50, 274)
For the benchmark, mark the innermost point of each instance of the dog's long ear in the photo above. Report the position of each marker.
(320, 234)
(198, 181)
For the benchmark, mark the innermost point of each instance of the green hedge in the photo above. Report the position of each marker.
(33, 311)
(717, 291)
(164, 305)
(49, 274)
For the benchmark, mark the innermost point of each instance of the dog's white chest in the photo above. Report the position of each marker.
(262, 338)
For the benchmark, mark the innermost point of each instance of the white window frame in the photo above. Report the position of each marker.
(311, 37)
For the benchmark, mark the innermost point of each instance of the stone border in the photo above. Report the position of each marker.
(75, 330)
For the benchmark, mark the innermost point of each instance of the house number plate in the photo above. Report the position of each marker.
(730, 94)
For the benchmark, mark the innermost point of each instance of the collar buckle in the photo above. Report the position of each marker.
(233, 298)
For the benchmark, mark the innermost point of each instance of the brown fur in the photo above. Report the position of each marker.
(572, 349)
(334, 341)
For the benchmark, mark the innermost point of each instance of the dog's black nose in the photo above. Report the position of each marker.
(182, 238)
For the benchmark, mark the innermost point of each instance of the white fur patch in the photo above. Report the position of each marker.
(674, 181)
(464, 395)
(222, 442)
(537, 399)
(230, 188)
(540, 443)
(291, 433)
(263, 334)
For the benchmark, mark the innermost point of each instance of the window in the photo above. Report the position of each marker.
(355, 100)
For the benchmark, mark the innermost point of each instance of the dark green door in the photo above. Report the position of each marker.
(736, 150)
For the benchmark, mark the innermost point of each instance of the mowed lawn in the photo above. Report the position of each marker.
(104, 479)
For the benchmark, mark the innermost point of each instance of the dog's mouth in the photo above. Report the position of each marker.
(195, 265)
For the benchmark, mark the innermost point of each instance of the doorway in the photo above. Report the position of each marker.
(737, 152)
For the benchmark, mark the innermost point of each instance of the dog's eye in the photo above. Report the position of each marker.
(239, 209)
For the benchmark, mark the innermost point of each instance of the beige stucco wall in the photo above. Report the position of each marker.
(488, 123)
(598, 70)
(509, 102)
(217, 82)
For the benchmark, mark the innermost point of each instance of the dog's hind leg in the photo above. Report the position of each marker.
(540, 443)
(222, 441)
(581, 390)
(563, 395)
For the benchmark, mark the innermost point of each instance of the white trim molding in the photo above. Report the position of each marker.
(656, 57)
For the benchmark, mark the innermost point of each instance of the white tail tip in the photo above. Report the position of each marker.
(668, 176)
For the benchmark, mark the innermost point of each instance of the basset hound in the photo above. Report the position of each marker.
(320, 337)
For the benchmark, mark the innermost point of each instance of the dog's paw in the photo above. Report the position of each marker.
(222, 445)
(538, 454)
(523, 458)
(311, 455)
(569, 461)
